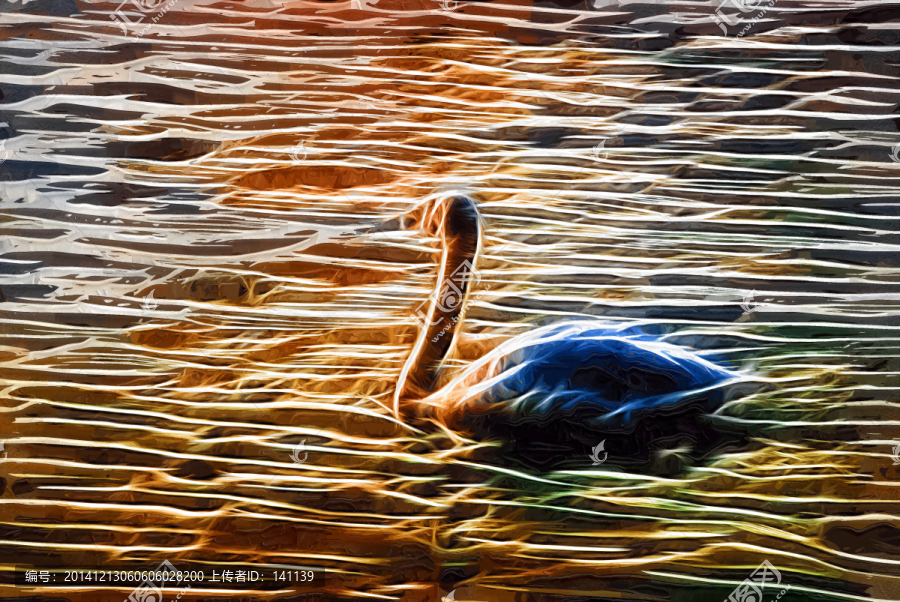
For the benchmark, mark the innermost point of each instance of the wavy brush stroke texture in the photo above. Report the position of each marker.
(234, 160)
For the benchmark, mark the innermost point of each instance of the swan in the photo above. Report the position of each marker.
(572, 380)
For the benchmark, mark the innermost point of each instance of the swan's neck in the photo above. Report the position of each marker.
(455, 221)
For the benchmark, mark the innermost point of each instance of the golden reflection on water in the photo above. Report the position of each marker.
(257, 168)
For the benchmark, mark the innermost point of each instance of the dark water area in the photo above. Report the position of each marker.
(212, 256)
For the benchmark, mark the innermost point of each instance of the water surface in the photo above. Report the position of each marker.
(188, 291)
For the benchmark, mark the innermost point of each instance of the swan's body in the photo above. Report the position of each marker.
(569, 380)
(583, 367)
